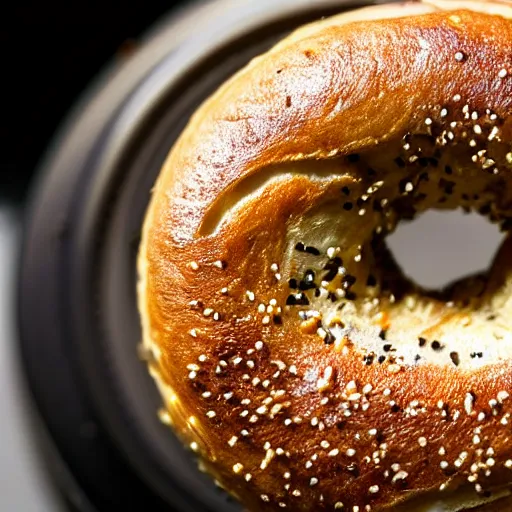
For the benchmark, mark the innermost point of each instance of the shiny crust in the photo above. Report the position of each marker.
(334, 88)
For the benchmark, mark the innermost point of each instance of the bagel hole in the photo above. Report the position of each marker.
(440, 247)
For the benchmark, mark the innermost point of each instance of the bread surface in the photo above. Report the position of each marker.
(289, 399)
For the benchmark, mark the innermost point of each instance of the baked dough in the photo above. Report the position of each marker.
(293, 356)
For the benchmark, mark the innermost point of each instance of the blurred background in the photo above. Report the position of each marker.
(51, 53)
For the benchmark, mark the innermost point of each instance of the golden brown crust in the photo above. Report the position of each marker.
(246, 392)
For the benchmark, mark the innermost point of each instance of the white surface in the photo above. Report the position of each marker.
(24, 482)
(441, 246)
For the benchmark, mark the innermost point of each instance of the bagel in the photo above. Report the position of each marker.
(293, 355)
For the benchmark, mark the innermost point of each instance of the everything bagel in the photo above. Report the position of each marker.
(293, 355)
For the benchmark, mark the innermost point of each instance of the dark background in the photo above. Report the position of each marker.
(50, 51)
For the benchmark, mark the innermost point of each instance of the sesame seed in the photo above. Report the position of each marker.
(313, 481)
(194, 446)
(374, 489)
(193, 265)
(338, 505)
(250, 295)
(502, 396)
(443, 464)
(428, 121)
(468, 403)
(508, 463)
(233, 441)
(275, 409)
(422, 442)
(401, 475)
(269, 455)
(238, 468)
(459, 56)
(367, 389)
(503, 73)
(494, 132)
(211, 414)
(394, 368)
(350, 452)
(462, 457)
(333, 453)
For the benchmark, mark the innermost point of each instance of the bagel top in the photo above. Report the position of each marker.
(292, 353)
